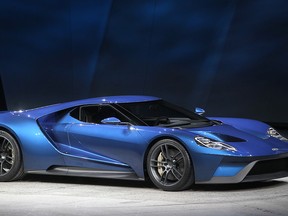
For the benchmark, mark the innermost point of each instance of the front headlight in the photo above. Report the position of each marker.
(209, 143)
(273, 133)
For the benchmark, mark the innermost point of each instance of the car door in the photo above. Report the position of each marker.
(115, 144)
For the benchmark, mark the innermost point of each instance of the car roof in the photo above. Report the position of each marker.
(45, 110)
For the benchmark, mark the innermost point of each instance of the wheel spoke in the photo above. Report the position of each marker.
(177, 154)
(2, 145)
(156, 163)
(175, 172)
(164, 177)
(1, 168)
(165, 151)
(6, 170)
(179, 159)
(6, 156)
(9, 162)
(5, 145)
(9, 157)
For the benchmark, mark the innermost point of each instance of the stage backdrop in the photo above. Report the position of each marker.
(226, 56)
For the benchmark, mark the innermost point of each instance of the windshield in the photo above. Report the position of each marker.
(162, 113)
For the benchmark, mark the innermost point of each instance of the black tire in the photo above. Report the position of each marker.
(11, 166)
(169, 166)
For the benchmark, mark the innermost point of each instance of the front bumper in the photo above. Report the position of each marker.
(247, 169)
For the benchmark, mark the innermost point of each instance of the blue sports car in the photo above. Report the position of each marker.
(141, 138)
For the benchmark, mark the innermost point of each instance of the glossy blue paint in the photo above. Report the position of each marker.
(51, 137)
(37, 151)
(229, 170)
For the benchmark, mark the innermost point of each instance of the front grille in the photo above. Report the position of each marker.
(269, 167)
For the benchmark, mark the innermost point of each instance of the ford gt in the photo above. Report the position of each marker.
(141, 138)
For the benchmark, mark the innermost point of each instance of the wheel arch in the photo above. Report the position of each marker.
(146, 177)
(13, 134)
(16, 171)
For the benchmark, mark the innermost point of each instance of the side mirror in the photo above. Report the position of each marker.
(199, 111)
(111, 120)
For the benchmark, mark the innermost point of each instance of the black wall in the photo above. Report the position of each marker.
(227, 56)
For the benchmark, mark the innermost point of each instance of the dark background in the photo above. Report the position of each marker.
(226, 56)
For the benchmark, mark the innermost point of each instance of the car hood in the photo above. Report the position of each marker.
(245, 142)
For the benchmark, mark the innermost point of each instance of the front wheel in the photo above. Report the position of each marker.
(169, 166)
(11, 167)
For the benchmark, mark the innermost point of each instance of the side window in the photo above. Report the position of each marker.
(95, 114)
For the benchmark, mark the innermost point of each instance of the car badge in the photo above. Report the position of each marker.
(275, 149)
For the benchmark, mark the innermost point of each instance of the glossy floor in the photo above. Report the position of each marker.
(51, 195)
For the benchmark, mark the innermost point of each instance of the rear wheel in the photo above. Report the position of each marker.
(169, 166)
(11, 167)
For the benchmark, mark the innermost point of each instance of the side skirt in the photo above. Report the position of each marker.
(83, 172)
